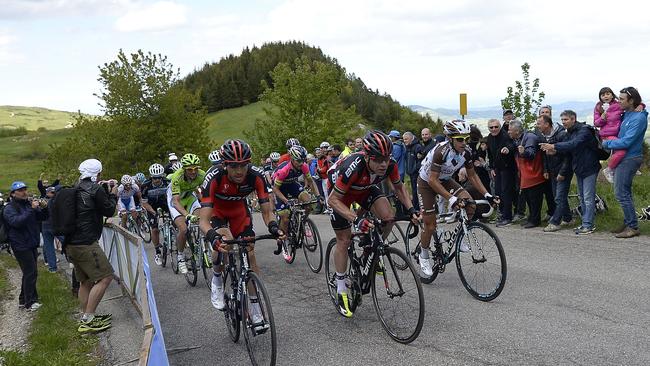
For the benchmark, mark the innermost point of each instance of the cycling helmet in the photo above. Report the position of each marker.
(126, 179)
(457, 127)
(156, 170)
(377, 143)
(214, 156)
(324, 145)
(177, 165)
(298, 152)
(189, 160)
(172, 157)
(235, 151)
(292, 142)
(275, 156)
(139, 177)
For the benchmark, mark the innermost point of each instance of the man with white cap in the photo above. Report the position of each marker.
(92, 268)
(172, 159)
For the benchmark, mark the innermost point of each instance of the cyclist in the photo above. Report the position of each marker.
(169, 169)
(126, 193)
(322, 166)
(138, 179)
(436, 178)
(183, 200)
(287, 186)
(290, 142)
(355, 179)
(154, 197)
(215, 158)
(225, 214)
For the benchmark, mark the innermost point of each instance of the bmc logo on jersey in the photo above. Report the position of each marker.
(352, 167)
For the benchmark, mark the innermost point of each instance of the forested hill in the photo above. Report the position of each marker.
(235, 81)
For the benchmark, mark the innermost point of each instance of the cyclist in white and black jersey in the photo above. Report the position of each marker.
(126, 193)
(436, 178)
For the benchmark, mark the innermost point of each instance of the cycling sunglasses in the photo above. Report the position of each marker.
(463, 138)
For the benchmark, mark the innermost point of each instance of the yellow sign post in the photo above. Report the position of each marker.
(463, 105)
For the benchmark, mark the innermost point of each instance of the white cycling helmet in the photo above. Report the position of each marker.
(126, 179)
(324, 145)
(275, 156)
(172, 157)
(177, 165)
(214, 156)
(457, 127)
(156, 170)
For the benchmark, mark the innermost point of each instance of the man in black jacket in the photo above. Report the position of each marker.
(501, 154)
(91, 266)
(557, 169)
(412, 164)
(426, 142)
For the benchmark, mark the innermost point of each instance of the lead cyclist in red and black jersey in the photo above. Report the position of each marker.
(224, 212)
(355, 179)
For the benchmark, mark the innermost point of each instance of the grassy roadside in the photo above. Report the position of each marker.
(53, 336)
(6, 262)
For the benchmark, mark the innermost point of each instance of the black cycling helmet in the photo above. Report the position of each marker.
(292, 142)
(377, 143)
(298, 152)
(235, 151)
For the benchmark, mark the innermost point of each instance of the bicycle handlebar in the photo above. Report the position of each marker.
(472, 202)
(248, 240)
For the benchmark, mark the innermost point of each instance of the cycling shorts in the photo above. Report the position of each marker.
(289, 190)
(234, 215)
(126, 204)
(365, 200)
(428, 197)
(190, 204)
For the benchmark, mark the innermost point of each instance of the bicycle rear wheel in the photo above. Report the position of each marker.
(144, 229)
(173, 250)
(482, 269)
(259, 334)
(206, 268)
(232, 311)
(192, 266)
(398, 299)
(312, 246)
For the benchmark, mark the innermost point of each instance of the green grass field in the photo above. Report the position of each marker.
(33, 117)
(230, 123)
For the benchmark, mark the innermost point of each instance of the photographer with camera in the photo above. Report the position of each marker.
(22, 216)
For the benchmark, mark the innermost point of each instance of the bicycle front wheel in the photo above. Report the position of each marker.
(192, 267)
(145, 230)
(173, 250)
(397, 296)
(258, 323)
(206, 268)
(232, 310)
(312, 246)
(482, 269)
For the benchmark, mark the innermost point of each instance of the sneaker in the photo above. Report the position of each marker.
(504, 223)
(35, 306)
(567, 223)
(426, 266)
(52, 270)
(619, 229)
(517, 218)
(625, 234)
(216, 296)
(550, 228)
(609, 175)
(547, 218)
(157, 258)
(182, 267)
(93, 326)
(344, 305)
(530, 225)
(584, 231)
(106, 318)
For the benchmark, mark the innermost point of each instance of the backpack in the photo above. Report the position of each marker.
(63, 211)
(601, 153)
(3, 226)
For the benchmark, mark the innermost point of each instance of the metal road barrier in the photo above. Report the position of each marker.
(126, 253)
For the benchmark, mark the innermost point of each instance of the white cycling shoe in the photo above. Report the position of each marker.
(426, 266)
(216, 296)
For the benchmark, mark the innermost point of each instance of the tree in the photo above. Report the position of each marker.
(523, 99)
(147, 113)
(305, 105)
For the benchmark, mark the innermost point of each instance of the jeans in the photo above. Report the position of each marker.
(562, 211)
(623, 175)
(587, 195)
(549, 196)
(533, 198)
(27, 262)
(48, 249)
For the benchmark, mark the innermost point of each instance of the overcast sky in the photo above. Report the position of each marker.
(420, 52)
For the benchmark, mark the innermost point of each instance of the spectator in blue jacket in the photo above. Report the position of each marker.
(22, 219)
(399, 152)
(582, 145)
(630, 138)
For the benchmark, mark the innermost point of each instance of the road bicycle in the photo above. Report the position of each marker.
(168, 238)
(480, 258)
(248, 306)
(374, 266)
(200, 255)
(302, 232)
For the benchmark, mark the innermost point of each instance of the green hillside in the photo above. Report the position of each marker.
(230, 123)
(34, 117)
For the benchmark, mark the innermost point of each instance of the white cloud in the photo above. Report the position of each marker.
(158, 16)
(20, 9)
(7, 53)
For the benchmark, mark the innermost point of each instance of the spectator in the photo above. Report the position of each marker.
(358, 144)
(49, 251)
(172, 159)
(323, 165)
(426, 142)
(21, 217)
(399, 152)
(412, 164)
(479, 155)
(630, 138)
(503, 168)
(549, 190)
(334, 153)
(557, 171)
(91, 266)
(581, 145)
(43, 184)
(531, 171)
(507, 117)
(349, 148)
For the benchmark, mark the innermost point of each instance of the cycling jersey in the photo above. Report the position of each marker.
(228, 199)
(155, 196)
(351, 176)
(445, 160)
(181, 186)
(287, 174)
(122, 193)
(284, 157)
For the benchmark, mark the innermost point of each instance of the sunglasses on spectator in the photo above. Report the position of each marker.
(461, 138)
(493, 127)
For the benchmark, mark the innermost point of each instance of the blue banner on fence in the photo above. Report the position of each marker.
(158, 353)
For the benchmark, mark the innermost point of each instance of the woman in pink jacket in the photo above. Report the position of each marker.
(607, 116)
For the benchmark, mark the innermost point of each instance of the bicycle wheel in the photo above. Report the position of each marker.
(398, 299)
(330, 272)
(397, 239)
(206, 268)
(145, 230)
(312, 246)
(192, 266)
(259, 334)
(173, 250)
(482, 269)
(413, 241)
(289, 247)
(231, 312)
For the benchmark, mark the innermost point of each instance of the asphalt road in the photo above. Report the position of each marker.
(567, 300)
